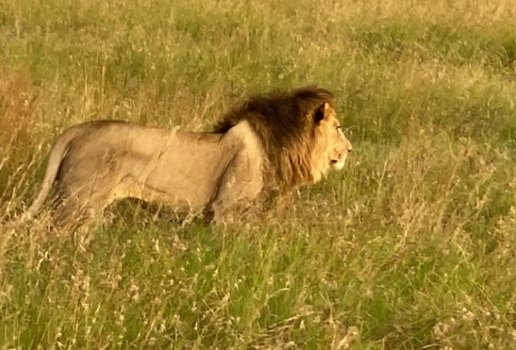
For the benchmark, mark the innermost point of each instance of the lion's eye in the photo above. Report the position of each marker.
(338, 127)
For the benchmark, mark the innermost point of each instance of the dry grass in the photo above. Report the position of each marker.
(411, 246)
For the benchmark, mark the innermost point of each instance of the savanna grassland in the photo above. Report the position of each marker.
(411, 246)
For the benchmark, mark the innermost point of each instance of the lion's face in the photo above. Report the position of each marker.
(339, 145)
(335, 145)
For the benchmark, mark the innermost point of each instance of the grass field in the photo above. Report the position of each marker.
(412, 246)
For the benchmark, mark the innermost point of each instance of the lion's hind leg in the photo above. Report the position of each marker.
(75, 208)
(74, 215)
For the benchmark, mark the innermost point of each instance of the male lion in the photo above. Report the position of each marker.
(266, 147)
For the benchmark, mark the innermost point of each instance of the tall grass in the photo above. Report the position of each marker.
(411, 246)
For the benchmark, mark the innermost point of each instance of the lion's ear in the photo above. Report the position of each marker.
(322, 112)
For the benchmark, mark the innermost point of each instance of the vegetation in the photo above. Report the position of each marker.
(411, 246)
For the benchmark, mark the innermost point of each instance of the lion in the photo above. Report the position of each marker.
(267, 147)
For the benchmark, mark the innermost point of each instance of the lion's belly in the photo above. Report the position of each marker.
(181, 181)
(175, 191)
(176, 197)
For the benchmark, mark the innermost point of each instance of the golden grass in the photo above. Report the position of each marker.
(411, 246)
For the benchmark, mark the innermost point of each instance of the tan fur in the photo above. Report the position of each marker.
(266, 147)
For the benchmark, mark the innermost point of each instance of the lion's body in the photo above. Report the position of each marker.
(218, 174)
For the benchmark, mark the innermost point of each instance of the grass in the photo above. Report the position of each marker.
(410, 247)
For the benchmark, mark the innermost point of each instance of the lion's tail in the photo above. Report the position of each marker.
(57, 154)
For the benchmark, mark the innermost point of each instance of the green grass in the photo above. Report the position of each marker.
(411, 246)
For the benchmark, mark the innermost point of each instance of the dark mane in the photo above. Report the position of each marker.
(284, 122)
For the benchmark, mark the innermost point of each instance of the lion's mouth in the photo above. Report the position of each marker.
(337, 164)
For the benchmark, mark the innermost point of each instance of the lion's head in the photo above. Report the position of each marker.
(299, 132)
(333, 146)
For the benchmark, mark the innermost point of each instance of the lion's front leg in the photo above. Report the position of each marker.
(237, 192)
(232, 202)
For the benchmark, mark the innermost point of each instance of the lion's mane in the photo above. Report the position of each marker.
(283, 122)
